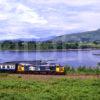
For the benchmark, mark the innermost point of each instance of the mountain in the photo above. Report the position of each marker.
(88, 36)
(30, 39)
(45, 39)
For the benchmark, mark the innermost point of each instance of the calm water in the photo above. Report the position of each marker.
(73, 58)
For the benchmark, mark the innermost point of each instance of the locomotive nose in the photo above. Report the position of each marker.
(60, 69)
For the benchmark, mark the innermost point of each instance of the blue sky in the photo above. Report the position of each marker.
(43, 18)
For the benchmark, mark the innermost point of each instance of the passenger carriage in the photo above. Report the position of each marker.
(7, 67)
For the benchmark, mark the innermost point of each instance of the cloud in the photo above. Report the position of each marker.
(68, 2)
(20, 13)
(25, 14)
(18, 36)
(42, 18)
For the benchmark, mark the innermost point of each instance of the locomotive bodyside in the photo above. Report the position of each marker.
(28, 68)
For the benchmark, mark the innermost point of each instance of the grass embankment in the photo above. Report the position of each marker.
(13, 87)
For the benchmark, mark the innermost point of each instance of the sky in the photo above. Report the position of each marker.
(44, 18)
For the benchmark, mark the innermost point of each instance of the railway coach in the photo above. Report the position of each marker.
(7, 67)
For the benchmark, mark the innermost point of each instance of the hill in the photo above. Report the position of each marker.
(88, 36)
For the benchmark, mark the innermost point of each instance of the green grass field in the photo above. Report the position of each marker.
(18, 88)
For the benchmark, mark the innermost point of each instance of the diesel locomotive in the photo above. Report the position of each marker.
(31, 67)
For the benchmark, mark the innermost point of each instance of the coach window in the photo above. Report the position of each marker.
(3, 67)
(11, 66)
(8, 67)
(0, 66)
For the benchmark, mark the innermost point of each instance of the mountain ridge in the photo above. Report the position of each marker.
(88, 36)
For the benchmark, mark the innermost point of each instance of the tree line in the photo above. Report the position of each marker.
(32, 45)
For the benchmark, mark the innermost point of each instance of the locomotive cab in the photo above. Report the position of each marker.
(60, 69)
(20, 68)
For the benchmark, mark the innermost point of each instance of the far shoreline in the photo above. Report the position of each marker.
(60, 50)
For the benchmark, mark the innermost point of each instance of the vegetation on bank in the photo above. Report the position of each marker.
(83, 70)
(31, 45)
(18, 88)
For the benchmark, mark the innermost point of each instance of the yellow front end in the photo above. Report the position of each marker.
(20, 68)
(59, 69)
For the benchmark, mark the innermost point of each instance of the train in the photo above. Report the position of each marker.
(31, 67)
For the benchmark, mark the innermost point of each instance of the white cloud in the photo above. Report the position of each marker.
(16, 17)
(19, 16)
(20, 13)
(88, 20)
(17, 36)
(25, 14)
(68, 2)
(3, 16)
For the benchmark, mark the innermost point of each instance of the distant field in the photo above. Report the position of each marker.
(46, 87)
